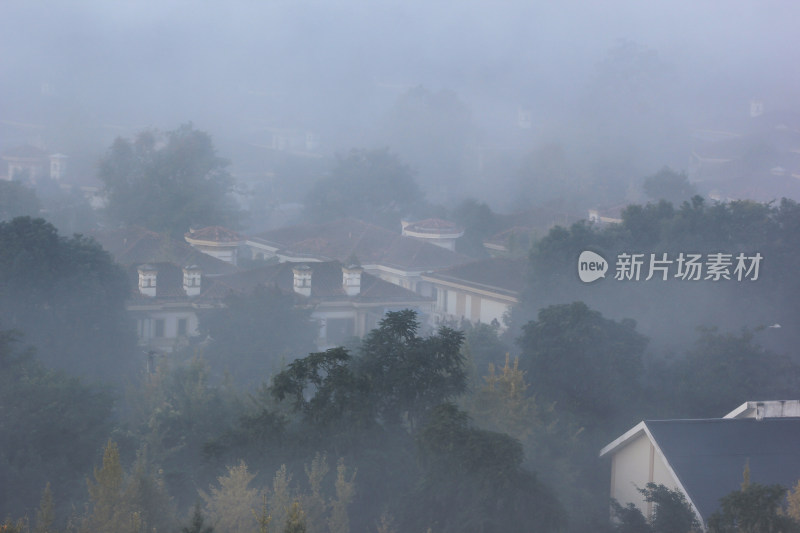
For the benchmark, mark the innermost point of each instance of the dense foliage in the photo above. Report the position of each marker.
(67, 296)
(168, 182)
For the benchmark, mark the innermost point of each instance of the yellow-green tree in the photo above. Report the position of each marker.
(339, 521)
(232, 505)
(106, 493)
(296, 521)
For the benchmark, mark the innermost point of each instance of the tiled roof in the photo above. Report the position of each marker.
(217, 234)
(507, 275)
(341, 239)
(136, 246)
(326, 284)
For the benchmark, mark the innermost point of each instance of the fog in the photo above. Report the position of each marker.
(511, 114)
(593, 78)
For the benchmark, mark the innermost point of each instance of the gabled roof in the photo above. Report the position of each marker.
(708, 456)
(136, 246)
(371, 244)
(326, 284)
(501, 275)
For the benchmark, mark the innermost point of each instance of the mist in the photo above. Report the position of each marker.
(508, 116)
(625, 81)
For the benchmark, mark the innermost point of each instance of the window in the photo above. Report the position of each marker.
(181, 327)
(159, 327)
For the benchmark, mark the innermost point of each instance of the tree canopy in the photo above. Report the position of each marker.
(168, 182)
(67, 296)
(373, 185)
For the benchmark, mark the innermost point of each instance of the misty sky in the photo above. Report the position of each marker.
(337, 67)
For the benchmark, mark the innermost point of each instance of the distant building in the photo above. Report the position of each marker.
(345, 301)
(216, 241)
(435, 231)
(393, 257)
(480, 292)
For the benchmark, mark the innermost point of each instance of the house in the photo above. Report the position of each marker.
(705, 458)
(167, 278)
(393, 257)
(166, 304)
(481, 291)
(216, 241)
(345, 300)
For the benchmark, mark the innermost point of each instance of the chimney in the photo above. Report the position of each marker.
(302, 280)
(192, 278)
(147, 280)
(351, 279)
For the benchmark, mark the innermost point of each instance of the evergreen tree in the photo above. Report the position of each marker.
(232, 505)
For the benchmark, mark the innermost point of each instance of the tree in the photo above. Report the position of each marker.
(106, 494)
(68, 296)
(669, 185)
(373, 185)
(232, 505)
(168, 182)
(339, 521)
(296, 521)
(755, 508)
(17, 200)
(45, 514)
(588, 364)
(671, 513)
(473, 481)
(197, 524)
(723, 368)
(256, 334)
(50, 428)
(409, 374)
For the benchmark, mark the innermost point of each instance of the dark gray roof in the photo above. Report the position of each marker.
(709, 456)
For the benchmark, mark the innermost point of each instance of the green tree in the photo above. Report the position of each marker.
(168, 182)
(50, 427)
(409, 374)
(254, 335)
(17, 200)
(671, 513)
(68, 296)
(723, 368)
(175, 413)
(473, 481)
(669, 185)
(588, 364)
(372, 185)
